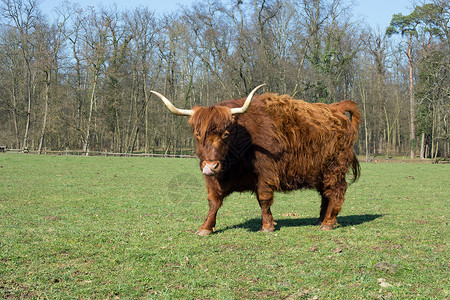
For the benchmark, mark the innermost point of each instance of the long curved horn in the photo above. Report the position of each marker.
(172, 108)
(243, 109)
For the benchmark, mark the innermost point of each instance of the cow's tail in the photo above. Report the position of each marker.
(356, 168)
(351, 107)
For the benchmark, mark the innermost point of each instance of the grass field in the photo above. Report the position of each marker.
(124, 228)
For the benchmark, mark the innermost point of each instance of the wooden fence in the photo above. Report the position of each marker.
(101, 153)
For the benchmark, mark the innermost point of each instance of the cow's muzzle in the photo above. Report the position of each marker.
(210, 168)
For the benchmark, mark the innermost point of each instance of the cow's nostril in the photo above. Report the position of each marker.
(211, 167)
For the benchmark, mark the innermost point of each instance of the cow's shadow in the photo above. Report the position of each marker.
(344, 221)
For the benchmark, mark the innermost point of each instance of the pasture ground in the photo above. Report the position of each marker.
(124, 228)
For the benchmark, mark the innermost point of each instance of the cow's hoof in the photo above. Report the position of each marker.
(267, 229)
(326, 227)
(319, 222)
(203, 232)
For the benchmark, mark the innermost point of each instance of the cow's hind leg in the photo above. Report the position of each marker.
(265, 200)
(215, 203)
(333, 197)
(323, 208)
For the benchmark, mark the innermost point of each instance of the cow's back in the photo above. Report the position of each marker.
(296, 142)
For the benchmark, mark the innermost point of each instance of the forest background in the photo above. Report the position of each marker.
(81, 80)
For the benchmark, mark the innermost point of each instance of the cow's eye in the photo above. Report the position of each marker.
(197, 135)
(225, 135)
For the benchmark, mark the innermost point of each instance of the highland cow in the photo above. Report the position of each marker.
(271, 142)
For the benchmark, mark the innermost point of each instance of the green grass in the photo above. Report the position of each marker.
(124, 228)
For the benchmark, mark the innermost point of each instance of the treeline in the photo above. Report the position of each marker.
(81, 80)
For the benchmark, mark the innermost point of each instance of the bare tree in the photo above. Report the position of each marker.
(12, 78)
(94, 39)
(83, 83)
(144, 27)
(407, 25)
(22, 16)
(49, 42)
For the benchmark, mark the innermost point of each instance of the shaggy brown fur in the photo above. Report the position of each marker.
(279, 144)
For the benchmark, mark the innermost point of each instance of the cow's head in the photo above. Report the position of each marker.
(211, 127)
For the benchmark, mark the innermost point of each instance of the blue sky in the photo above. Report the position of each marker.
(377, 13)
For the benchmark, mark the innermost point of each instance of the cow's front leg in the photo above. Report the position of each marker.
(215, 202)
(265, 200)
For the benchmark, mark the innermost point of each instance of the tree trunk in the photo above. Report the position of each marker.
(88, 129)
(118, 135)
(44, 122)
(146, 113)
(388, 131)
(134, 140)
(27, 126)
(436, 151)
(366, 135)
(14, 112)
(433, 131)
(412, 104)
(422, 146)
